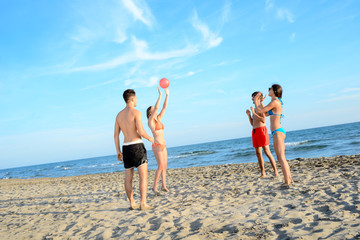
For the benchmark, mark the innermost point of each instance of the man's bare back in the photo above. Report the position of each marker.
(129, 121)
(126, 119)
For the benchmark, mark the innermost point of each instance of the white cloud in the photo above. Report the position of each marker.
(110, 20)
(142, 13)
(83, 34)
(140, 82)
(343, 97)
(283, 13)
(346, 90)
(221, 63)
(101, 84)
(120, 36)
(188, 74)
(268, 4)
(226, 12)
(227, 62)
(221, 91)
(292, 37)
(153, 81)
(142, 53)
(107, 65)
(139, 53)
(211, 39)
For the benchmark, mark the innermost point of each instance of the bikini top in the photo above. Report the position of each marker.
(159, 126)
(275, 114)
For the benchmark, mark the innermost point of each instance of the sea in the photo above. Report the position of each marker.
(327, 141)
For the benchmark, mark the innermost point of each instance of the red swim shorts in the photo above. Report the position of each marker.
(260, 137)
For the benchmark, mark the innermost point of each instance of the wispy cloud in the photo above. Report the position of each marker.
(112, 22)
(283, 13)
(346, 90)
(94, 26)
(82, 34)
(226, 12)
(269, 4)
(140, 82)
(221, 91)
(140, 11)
(140, 52)
(211, 39)
(292, 37)
(342, 98)
(188, 74)
(120, 36)
(101, 84)
(222, 63)
(350, 93)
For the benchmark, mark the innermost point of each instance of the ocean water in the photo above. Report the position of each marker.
(328, 141)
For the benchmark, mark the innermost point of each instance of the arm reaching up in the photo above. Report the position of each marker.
(165, 104)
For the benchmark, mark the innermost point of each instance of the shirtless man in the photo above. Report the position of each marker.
(260, 138)
(129, 121)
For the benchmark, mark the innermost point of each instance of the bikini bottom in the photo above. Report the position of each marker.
(278, 130)
(163, 146)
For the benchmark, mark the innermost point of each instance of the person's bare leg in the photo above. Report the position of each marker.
(157, 154)
(279, 147)
(129, 173)
(163, 173)
(271, 159)
(143, 175)
(261, 161)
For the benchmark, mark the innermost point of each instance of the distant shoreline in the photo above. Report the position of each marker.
(178, 146)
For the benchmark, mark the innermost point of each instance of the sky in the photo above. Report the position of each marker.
(64, 66)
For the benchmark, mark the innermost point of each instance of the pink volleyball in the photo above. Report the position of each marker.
(164, 83)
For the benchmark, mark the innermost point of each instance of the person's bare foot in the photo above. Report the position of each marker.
(134, 206)
(145, 207)
(165, 189)
(262, 176)
(285, 186)
(156, 192)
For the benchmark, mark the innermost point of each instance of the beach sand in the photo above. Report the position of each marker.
(215, 202)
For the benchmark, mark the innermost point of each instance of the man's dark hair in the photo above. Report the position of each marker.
(128, 94)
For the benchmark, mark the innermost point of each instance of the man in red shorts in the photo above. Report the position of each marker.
(260, 139)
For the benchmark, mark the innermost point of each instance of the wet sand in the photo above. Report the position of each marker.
(215, 202)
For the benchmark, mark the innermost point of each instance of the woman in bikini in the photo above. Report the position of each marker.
(274, 110)
(158, 147)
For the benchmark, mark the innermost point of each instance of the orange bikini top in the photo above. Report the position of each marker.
(159, 126)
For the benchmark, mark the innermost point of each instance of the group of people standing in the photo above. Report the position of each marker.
(133, 153)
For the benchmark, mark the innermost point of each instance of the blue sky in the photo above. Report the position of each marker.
(65, 64)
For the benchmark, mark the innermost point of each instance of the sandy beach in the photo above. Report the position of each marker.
(215, 202)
